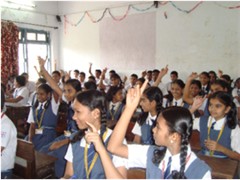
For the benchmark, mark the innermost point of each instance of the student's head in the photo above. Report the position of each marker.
(177, 87)
(114, 94)
(90, 106)
(204, 78)
(220, 105)
(173, 131)
(155, 73)
(149, 75)
(2, 99)
(115, 80)
(56, 75)
(133, 79)
(151, 100)
(82, 76)
(92, 78)
(76, 73)
(90, 85)
(40, 81)
(226, 78)
(98, 73)
(174, 75)
(71, 87)
(237, 83)
(212, 76)
(111, 72)
(140, 82)
(20, 81)
(26, 76)
(44, 92)
(219, 85)
(195, 87)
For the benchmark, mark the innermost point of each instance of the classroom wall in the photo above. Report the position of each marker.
(205, 39)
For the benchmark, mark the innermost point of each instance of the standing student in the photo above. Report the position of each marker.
(172, 156)
(8, 142)
(219, 132)
(82, 159)
(43, 118)
(151, 104)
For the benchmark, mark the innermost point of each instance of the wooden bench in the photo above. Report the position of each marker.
(30, 164)
(136, 173)
(195, 141)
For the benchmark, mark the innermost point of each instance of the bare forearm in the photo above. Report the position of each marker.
(186, 93)
(231, 154)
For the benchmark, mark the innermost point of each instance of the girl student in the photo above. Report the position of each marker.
(43, 118)
(176, 90)
(115, 106)
(171, 136)
(151, 104)
(219, 132)
(58, 147)
(82, 159)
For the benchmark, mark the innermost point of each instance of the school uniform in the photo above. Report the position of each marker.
(178, 102)
(145, 130)
(45, 124)
(141, 156)
(31, 86)
(236, 93)
(75, 155)
(115, 110)
(217, 130)
(9, 142)
(23, 92)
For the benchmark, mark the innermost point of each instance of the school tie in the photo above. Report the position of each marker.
(112, 109)
(91, 153)
(175, 103)
(40, 111)
(167, 171)
(212, 127)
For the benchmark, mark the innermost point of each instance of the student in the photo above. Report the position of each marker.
(177, 87)
(219, 132)
(43, 118)
(171, 136)
(76, 74)
(151, 104)
(20, 95)
(133, 80)
(89, 85)
(236, 96)
(205, 82)
(56, 75)
(212, 76)
(82, 77)
(8, 143)
(89, 106)
(114, 97)
(29, 84)
(173, 77)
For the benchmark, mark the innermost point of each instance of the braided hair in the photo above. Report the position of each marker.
(93, 99)
(227, 100)
(181, 124)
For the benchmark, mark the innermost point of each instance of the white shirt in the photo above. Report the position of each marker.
(137, 128)
(235, 133)
(23, 92)
(31, 86)
(117, 161)
(163, 88)
(54, 104)
(9, 142)
(137, 157)
(235, 94)
(179, 102)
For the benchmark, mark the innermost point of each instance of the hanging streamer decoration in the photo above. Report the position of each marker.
(161, 3)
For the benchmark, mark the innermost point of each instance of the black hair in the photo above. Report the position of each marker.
(227, 78)
(2, 98)
(227, 100)
(112, 72)
(152, 94)
(47, 89)
(223, 84)
(83, 74)
(134, 76)
(24, 74)
(205, 74)
(179, 82)
(112, 92)
(99, 71)
(175, 73)
(76, 71)
(197, 82)
(116, 76)
(92, 78)
(74, 83)
(93, 99)
(237, 80)
(90, 85)
(21, 80)
(42, 80)
(181, 124)
(214, 73)
(149, 71)
(156, 71)
(57, 72)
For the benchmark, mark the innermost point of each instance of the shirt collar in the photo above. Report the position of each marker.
(219, 123)
(179, 101)
(150, 118)
(43, 104)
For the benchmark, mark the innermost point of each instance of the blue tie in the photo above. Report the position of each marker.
(167, 171)
(176, 103)
(212, 127)
(40, 111)
(112, 109)
(91, 153)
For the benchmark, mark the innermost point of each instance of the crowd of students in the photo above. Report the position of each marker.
(165, 113)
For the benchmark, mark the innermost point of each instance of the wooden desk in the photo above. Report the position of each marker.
(221, 168)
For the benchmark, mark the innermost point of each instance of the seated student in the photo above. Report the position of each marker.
(151, 104)
(89, 85)
(43, 118)
(29, 84)
(236, 96)
(114, 98)
(172, 156)
(219, 132)
(82, 159)
(20, 95)
(82, 77)
(133, 80)
(76, 74)
(212, 76)
(205, 82)
(8, 143)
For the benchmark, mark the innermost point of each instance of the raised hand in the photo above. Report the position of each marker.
(197, 102)
(41, 61)
(192, 76)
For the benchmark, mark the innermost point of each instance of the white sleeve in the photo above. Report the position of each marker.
(69, 156)
(137, 155)
(235, 142)
(137, 129)
(30, 116)
(23, 92)
(5, 134)
(55, 106)
(196, 124)
(207, 175)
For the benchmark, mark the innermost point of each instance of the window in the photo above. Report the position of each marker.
(33, 43)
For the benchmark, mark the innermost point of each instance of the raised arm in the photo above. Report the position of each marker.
(115, 144)
(90, 69)
(48, 77)
(162, 73)
(102, 77)
(186, 92)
